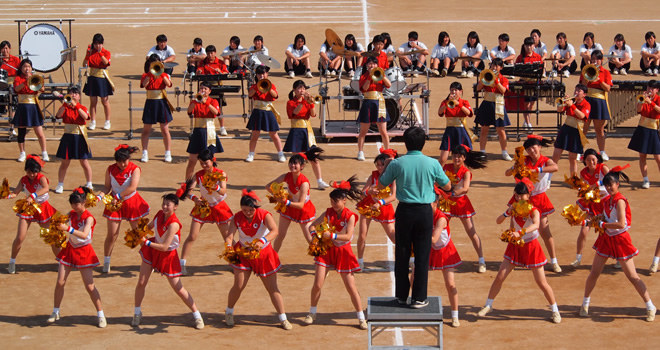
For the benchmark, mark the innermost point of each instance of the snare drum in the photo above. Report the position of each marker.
(395, 76)
(4, 83)
(44, 42)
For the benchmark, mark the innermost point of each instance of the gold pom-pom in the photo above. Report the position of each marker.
(107, 201)
(210, 180)
(250, 250)
(452, 177)
(445, 204)
(319, 246)
(90, 200)
(4, 190)
(230, 255)
(508, 237)
(202, 210)
(133, 237)
(52, 235)
(576, 182)
(279, 192)
(368, 211)
(384, 193)
(521, 209)
(520, 170)
(23, 207)
(595, 223)
(574, 215)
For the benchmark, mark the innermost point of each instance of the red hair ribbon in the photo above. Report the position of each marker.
(245, 192)
(528, 183)
(181, 190)
(121, 147)
(392, 153)
(344, 185)
(466, 148)
(619, 168)
(79, 190)
(303, 155)
(213, 159)
(532, 136)
(36, 159)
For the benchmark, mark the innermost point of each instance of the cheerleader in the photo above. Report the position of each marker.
(78, 254)
(386, 216)
(121, 181)
(530, 255)
(73, 144)
(615, 243)
(544, 166)
(465, 159)
(621, 63)
(255, 224)
(571, 136)
(35, 186)
(650, 53)
(159, 254)
(587, 48)
(645, 139)
(264, 115)
(157, 108)
(492, 112)
(204, 111)
(456, 133)
(98, 83)
(299, 207)
(473, 49)
(220, 213)
(593, 173)
(28, 113)
(444, 256)
(597, 98)
(300, 108)
(350, 44)
(443, 56)
(340, 255)
(563, 55)
(373, 109)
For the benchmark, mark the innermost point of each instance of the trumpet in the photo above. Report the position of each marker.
(314, 99)
(487, 77)
(377, 74)
(68, 100)
(452, 103)
(156, 68)
(199, 98)
(560, 101)
(641, 98)
(36, 82)
(264, 86)
(590, 72)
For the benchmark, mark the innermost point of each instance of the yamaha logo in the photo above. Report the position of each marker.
(43, 32)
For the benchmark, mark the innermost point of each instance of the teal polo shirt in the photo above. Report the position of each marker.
(415, 175)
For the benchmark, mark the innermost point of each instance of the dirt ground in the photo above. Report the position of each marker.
(521, 316)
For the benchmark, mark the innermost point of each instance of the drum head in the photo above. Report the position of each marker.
(45, 41)
(395, 76)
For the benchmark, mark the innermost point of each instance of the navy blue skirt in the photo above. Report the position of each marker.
(599, 110)
(156, 111)
(486, 115)
(453, 137)
(297, 140)
(568, 139)
(73, 147)
(369, 112)
(99, 87)
(262, 120)
(197, 142)
(645, 140)
(27, 115)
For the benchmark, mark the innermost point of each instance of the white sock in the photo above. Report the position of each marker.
(482, 150)
(100, 314)
(320, 179)
(60, 184)
(656, 259)
(360, 315)
(197, 315)
(578, 257)
(137, 310)
(360, 261)
(182, 262)
(56, 310)
(12, 260)
(282, 317)
(482, 260)
(145, 152)
(229, 310)
(649, 305)
(89, 185)
(504, 152)
(554, 307)
(280, 153)
(489, 302)
(251, 154)
(646, 179)
(586, 301)
(167, 153)
(553, 260)
(106, 259)
(312, 310)
(454, 313)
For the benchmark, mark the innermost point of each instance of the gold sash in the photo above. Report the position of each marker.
(455, 122)
(31, 100)
(209, 125)
(499, 103)
(159, 95)
(76, 129)
(101, 73)
(377, 95)
(305, 124)
(268, 106)
(649, 123)
(579, 125)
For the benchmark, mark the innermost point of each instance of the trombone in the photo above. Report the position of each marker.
(36, 82)
(156, 68)
(264, 86)
(377, 74)
(487, 77)
(590, 72)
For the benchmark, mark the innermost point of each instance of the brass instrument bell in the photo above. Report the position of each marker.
(590, 72)
(377, 74)
(264, 86)
(36, 82)
(156, 68)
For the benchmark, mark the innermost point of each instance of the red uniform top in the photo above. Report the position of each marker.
(294, 187)
(305, 111)
(202, 110)
(10, 61)
(251, 228)
(93, 58)
(209, 67)
(604, 76)
(382, 60)
(460, 174)
(340, 222)
(503, 80)
(30, 186)
(609, 208)
(534, 58)
(154, 83)
(262, 97)
(373, 86)
(161, 225)
(597, 176)
(584, 107)
(647, 109)
(457, 111)
(25, 90)
(78, 223)
(71, 115)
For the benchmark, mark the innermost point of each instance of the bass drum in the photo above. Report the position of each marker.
(42, 44)
(393, 110)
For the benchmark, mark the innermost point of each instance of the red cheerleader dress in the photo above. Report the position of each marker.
(340, 256)
(78, 252)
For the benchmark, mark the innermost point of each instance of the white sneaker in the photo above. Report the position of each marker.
(484, 311)
(21, 157)
(14, 132)
(463, 74)
(136, 319)
(106, 267)
(444, 72)
(576, 263)
(292, 75)
(92, 125)
(360, 156)
(327, 73)
(363, 325)
(199, 323)
(11, 269)
(53, 317)
(584, 311)
(648, 72)
(506, 156)
(249, 158)
(604, 156)
(556, 317)
(567, 74)
(44, 157)
(617, 265)
(102, 322)
(229, 320)
(322, 184)
(184, 270)
(654, 267)
(351, 74)
(223, 131)
(482, 268)
(168, 157)
(455, 323)
(286, 325)
(309, 319)
(615, 71)
(281, 159)
(556, 268)
(655, 72)
(470, 74)
(145, 157)
(623, 71)
(308, 74)
(59, 189)
(107, 125)
(553, 74)
(333, 73)
(435, 72)
(646, 185)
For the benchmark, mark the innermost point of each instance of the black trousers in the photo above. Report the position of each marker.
(413, 228)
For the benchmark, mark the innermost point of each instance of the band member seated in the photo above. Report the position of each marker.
(297, 58)
(587, 47)
(195, 55)
(564, 55)
(650, 55)
(231, 54)
(503, 50)
(165, 53)
(443, 56)
(417, 62)
(472, 48)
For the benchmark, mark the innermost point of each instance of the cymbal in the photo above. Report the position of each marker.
(27, 54)
(369, 54)
(170, 64)
(343, 52)
(268, 61)
(553, 59)
(333, 39)
(467, 58)
(409, 53)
